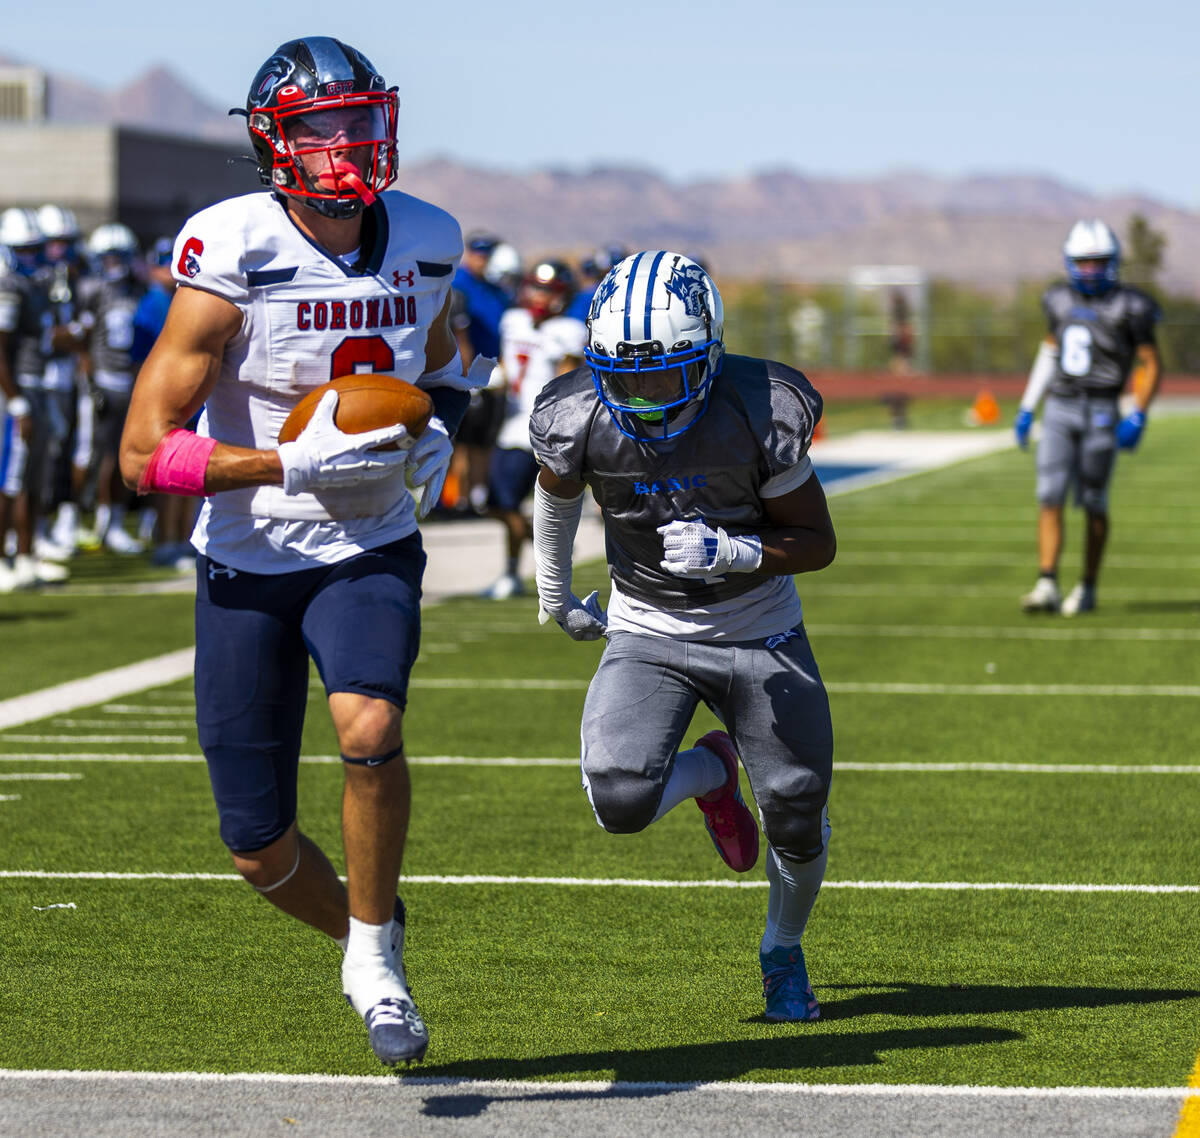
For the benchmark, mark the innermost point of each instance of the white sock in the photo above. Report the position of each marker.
(103, 518)
(794, 889)
(694, 773)
(370, 972)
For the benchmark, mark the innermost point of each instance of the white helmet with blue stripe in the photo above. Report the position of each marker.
(1092, 256)
(655, 343)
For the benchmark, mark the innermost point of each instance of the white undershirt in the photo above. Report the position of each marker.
(766, 610)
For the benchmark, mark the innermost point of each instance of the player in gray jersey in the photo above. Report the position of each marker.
(1101, 333)
(108, 301)
(699, 463)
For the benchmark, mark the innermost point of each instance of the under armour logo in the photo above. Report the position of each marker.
(215, 571)
(399, 278)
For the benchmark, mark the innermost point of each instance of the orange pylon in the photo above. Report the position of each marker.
(985, 411)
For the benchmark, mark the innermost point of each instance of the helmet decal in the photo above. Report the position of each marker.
(603, 294)
(687, 281)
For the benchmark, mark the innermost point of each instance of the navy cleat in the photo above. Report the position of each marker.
(789, 995)
(396, 1031)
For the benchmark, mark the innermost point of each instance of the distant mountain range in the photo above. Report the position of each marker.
(989, 229)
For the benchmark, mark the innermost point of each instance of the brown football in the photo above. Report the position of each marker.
(365, 401)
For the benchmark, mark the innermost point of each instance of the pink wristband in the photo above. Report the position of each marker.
(177, 465)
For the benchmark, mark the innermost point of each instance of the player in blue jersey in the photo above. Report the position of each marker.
(309, 548)
(699, 463)
(1100, 337)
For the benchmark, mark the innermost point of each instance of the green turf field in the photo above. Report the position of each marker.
(928, 660)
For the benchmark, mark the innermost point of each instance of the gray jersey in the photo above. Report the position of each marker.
(758, 424)
(111, 307)
(1097, 336)
(26, 316)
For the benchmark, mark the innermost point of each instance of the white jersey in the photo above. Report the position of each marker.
(532, 356)
(308, 317)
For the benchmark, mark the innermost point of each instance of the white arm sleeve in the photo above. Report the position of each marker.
(1045, 364)
(555, 521)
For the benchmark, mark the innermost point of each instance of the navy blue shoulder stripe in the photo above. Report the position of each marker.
(256, 278)
(434, 269)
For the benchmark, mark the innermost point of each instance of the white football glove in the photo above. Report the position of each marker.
(695, 549)
(580, 620)
(428, 464)
(322, 456)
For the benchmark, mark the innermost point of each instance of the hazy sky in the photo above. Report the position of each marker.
(1102, 95)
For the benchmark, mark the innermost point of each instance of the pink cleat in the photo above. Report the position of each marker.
(727, 818)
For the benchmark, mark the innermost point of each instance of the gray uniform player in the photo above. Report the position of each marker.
(1101, 333)
(699, 464)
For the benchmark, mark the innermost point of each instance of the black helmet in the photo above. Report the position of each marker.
(310, 103)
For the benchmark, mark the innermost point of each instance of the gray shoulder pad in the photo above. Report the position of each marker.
(562, 421)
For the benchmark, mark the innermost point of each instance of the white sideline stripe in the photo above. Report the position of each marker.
(528, 1086)
(7, 738)
(9, 797)
(115, 682)
(983, 632)
(516, 761)
(631, 882)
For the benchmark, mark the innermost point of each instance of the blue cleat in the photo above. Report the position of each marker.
(396, 1031)
(789, 995)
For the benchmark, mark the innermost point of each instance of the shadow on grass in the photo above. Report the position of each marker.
(979, 999)
(790, 1047)
(34, 614)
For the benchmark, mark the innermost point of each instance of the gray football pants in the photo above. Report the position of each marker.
(773, 705)
(1078, 448)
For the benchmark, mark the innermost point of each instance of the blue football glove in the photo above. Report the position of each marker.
(1021, 427)
(1129, 430)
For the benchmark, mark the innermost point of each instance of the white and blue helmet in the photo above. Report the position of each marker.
(1091, 241)
(655, 343)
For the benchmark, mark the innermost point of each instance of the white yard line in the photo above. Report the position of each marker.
(115, 682)
(40, 777)
(546, 1086)
(566, 761)
(1030, 631)
(10, 738)
(633, 882)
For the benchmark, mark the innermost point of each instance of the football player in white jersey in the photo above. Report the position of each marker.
(699, 463)
(309, 548)
(537, 342)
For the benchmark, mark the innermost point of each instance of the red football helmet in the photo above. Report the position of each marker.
(546, 289)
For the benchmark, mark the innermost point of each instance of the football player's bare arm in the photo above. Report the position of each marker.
(800, 538)
(559, 487)
(1147, 374)
(174, 382)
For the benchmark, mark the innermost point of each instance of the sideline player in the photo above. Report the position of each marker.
(537, 342)
(1101, 333)
(310, 547)
(699, 463)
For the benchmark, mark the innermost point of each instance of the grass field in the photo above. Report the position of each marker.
(550, 967)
